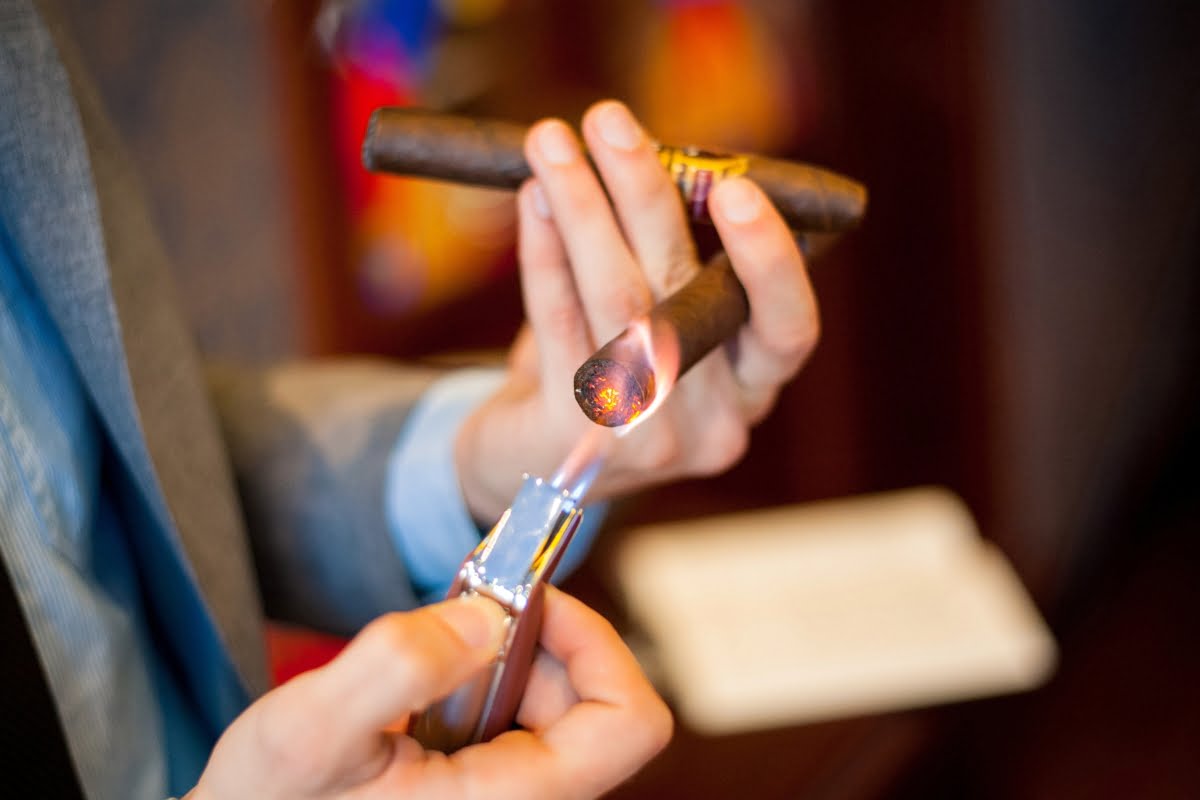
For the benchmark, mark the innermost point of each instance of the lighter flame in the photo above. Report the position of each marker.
(661, 351)
(660, 348)
(583, 463)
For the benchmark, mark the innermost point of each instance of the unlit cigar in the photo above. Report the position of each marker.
(487, 152)
(618, 382)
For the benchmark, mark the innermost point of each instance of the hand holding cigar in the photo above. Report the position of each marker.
(603, 238)
(618, 382)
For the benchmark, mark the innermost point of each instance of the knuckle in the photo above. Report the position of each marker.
(795, 340)
(385, 634)
(290, 744)
(624, 301)
(605, 628)
(659, 190)
(723, 441)
(653, 722)
(585, 199)
(414, 646)
(659, 726)
(276, 740)
(759, 406)
(662, 451)
(561, 322)
(681, 266)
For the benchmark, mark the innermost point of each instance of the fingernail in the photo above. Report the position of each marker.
(540, 206)
(478, 621)
(737, 200)
(556, 143)
(617, 126)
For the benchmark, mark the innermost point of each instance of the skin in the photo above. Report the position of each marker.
(590, 718)
(588, 266)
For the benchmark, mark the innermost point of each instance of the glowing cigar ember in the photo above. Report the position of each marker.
(649, 348)
(624, 381)
(613, 393)
(628, 377)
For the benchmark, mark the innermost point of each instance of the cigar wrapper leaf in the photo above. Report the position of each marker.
(706, 311)
(486, 152)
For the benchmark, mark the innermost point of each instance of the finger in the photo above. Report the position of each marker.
(552, 304)
(523, 355)
(646, 201)
(397, 665)
(619, 723)
(611, 286)
(549, 694)
(599, 665)
(784, 323)
(619, 714)
(710, 416)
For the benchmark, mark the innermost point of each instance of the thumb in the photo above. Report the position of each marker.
(403, 662)
(398, 664)
(322, 728)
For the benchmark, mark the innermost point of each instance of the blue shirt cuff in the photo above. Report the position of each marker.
(426, 513)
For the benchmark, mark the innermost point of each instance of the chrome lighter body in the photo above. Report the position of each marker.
(511, 567)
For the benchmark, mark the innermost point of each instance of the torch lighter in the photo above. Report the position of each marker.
(510, 566)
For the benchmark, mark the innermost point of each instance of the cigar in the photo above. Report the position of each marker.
(618, 382)
(487, 152)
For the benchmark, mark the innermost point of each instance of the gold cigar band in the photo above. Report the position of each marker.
(695, 171)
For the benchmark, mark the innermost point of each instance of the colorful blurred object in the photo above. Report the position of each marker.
(292, 651)
(713, 74)
(716, 73)
(413, 244)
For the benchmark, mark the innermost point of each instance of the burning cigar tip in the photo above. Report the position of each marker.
(613, 392)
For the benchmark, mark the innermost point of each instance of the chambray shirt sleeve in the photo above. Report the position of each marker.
(425, 510)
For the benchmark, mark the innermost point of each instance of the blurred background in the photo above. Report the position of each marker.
(1016, 320)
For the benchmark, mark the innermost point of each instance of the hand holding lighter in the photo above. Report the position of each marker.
(511, 566)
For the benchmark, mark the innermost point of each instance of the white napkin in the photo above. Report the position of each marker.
(831, 609)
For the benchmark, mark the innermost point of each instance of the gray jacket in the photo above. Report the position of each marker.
(305, 446)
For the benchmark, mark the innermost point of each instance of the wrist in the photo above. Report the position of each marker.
(482, 488)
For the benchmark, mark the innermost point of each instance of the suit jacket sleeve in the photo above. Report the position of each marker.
(310, 444)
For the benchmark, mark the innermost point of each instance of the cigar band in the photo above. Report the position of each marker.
(695, 171)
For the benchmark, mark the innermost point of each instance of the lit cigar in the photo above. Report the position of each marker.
(485, 152)
(618, 382)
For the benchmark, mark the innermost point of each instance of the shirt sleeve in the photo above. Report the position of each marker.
(426, 513)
